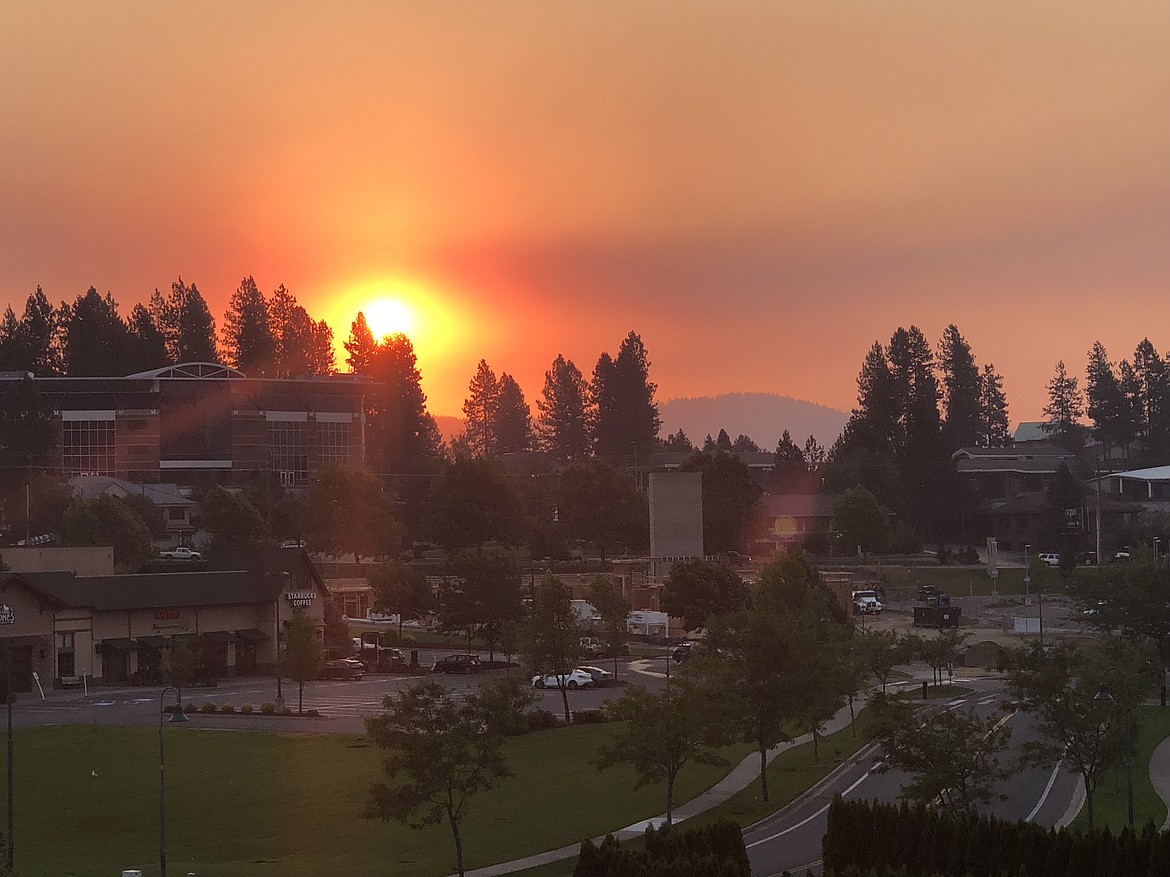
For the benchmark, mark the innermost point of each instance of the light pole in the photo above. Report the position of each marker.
(177, 716)
(1103, 696)
(1157, 541)
(284, 578)
(1027, 575)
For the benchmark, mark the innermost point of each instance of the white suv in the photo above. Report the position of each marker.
(1050, 559)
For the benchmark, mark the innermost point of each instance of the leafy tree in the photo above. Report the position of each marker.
(150, 513)
(1064, 406)
(179, 665)
(146, 347)
(940, 651)
(695, 590)
(349, 511)
(625, 410)
(884, 650)
(563, 427)
(484, 595)
(248, 340)
(993, 410)
(601, 506)
(731, 501)
(106, 520)
(472, 503)
(552, 635)
(952, 757)
(1065, 492)
(480, 410)
(439, 754)
(402, 590)
(513, 420)
(661, 733)
(231, 519)
(1058, 687)
(605, 595)
(678, 441)
(861, 520)
(28, 430)
(361, 348)
(96, 339)
(961, 389)
(303, 656)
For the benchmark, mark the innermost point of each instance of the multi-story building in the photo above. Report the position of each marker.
(204, 423)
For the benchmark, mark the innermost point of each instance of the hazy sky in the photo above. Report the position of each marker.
(761, 190)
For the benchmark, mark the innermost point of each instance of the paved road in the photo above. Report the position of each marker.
(791, 839)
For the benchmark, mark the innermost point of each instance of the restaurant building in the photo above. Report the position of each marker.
(112, 629)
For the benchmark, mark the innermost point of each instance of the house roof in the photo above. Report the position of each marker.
(1030, 431)
(1041, 466)
(1033, 503)
(164, 495)
(1031, 450)
(151, 590)
(800, 505)
(1154, 473)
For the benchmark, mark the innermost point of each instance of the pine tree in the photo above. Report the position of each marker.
(480, 409)
(788, 463)
(743, 444)
(404, 435)
(146, 347)
(961, 386)
(1064, 406)
(1107, 405)
(563, 427)
(33, 343)
(292, 335)
(993, 410)
(360, 348)
(814, 455)
(1153, 398)
(678, 441)
(915, 397)
(625, 414)
(723, 442)
(186, 322)
(513, 420)
(248, 342)
(322, 356)
(96, 339)
(871, 426)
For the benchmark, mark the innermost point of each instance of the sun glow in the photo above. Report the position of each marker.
(388, 316)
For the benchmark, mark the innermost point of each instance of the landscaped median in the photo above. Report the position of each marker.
(255, 803)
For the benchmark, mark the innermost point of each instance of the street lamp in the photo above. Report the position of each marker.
(1027, 575)
(1103, 696)
(1156, 543)
(285, 576)
(177, 716)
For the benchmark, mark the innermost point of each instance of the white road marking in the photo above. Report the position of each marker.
(808, 819)
(1044, 796)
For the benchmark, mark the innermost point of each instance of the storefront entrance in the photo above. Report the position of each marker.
(22, 667)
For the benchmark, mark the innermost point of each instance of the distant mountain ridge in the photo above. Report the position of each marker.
(761, 416)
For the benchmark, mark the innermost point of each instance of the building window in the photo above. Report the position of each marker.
(333, 439)
(87, 447)
(286, 451)
(176, 513)
(66, 664)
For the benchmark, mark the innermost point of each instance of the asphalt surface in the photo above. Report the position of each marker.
(791, 839)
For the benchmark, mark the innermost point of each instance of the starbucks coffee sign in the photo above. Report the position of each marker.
(7, 616)
(301, 599)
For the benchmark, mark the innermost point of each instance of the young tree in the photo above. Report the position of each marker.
(883, 650)
(961, 389)
(439, 754)
(486, 596)
(513, 421)
(472, 503)
(96, 339)
(1064, 406)
(401, 590)
(231, 519)
(552, 636)
(563, 427)
(993, 410)
(697, 589)
(661, 733)
(952, 757)
(179, 665)
(861, 520)
(248, 340)
(480, 409)
(626, 413)
(731, 501)
(605, 595)
(106, 520)
(303, 655)
(349, 511)
(599, 505)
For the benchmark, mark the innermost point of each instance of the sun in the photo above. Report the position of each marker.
(387, 316)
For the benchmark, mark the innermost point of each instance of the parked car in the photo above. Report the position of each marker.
(592, 645)
(599, 675)
(926, 592)
(737, 559)
(576, 679)
(1050, 559)
(1123, 554)
(343, 668)
(180, 553)
(683, 651)
(456, 664)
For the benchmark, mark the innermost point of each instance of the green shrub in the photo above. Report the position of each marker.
(191, 708)
(542, 720)
(267, 708)
(589, 717)
(246, 709)
(227, 708)
(313, 714)
(208, 708)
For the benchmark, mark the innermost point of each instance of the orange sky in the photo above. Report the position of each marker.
(759, 189)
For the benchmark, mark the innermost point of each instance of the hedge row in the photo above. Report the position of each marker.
(715, 850)
(892, 841)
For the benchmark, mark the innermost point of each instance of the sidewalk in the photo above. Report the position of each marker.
(739, 778)
(1160, 775)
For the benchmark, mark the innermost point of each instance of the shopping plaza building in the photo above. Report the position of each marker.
(202, 423)
(112, 629)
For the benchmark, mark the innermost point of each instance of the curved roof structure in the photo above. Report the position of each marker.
(195, 370)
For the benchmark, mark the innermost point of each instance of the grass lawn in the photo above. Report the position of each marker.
(933, 692)
(1110, 802)
(962, 581)
(256, 803)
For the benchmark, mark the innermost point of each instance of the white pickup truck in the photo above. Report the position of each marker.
(180, 553)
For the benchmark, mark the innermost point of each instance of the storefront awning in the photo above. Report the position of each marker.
(221, 636)
(252, 635)
(122, 644)
(154, 642)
